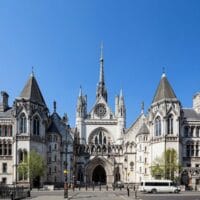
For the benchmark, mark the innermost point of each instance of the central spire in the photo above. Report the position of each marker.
(101, 89)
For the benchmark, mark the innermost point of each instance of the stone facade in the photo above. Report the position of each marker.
(27, 126)
(100, 149)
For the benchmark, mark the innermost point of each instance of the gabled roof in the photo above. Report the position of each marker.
(32, 91)
(53, 128)
(164, 90)
(143, 129)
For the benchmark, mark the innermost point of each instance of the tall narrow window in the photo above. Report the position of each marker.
(186, 129)
(36, 126)
(5, 149)
(197, 132)
(170, 122)
(100, 137)
(23, 124)
(9, 149)
(96, 140)
(4, 167)
(0, 130)
(1, 149)
(158, 126)
(5, 131)
(10, 131)
(104, 140)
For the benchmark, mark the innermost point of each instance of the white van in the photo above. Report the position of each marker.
(155, 186)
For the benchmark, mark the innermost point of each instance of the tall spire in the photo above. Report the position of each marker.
(101, 89)
(101, 75)
(80, 92)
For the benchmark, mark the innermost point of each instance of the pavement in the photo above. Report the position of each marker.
(109, 195)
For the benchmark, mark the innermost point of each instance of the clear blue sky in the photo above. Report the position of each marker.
(61, 39)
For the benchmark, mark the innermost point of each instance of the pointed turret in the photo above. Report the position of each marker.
(81, 104)
(101, 89)
(164, 90)
(32, 91)
(122, 108)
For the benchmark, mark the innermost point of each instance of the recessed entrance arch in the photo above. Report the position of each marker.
(99, 175)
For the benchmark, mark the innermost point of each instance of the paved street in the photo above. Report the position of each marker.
(111, 195)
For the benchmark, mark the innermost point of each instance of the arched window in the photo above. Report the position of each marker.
(170, 125)
(20, 156)
(100, 137)
(96, 140)
(23, 124)
(36, 126)
(104, 140)
(158, 126)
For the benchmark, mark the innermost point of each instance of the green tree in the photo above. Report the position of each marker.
(32, 166)
(166, 166)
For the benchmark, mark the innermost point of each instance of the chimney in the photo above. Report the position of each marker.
(4, 102)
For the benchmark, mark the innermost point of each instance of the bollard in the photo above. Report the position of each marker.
(86, 187)
(79, 187)
(128, 192)
(28, 193)
(107, 187)
(12, 196)
(93, 187)
(135, 194)
(100, 187)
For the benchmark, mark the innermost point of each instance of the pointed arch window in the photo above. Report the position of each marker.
(104, 140)
(170, 125)
(96, 140)
(23, 124)
(36, 126)
(158, 126)
(100, 137)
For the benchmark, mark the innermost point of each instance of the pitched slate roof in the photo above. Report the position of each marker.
(191, 114)
(143, 129)
(6, 114)
(32, 91)
(53, 128)
(164, 90)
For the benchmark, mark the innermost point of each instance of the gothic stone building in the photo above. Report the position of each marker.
(109, 152)
(28, 126)
(100, 149)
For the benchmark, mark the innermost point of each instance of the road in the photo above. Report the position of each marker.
(110, 195)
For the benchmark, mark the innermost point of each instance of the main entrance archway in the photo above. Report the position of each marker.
(99, 175)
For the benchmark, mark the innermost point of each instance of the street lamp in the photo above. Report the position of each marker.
(65, 185)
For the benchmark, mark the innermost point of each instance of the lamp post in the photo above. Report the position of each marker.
(65, 185)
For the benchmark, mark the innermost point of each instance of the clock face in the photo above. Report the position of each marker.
(100, 110)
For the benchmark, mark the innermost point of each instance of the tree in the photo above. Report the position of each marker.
(32, 166)
(166, 166)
